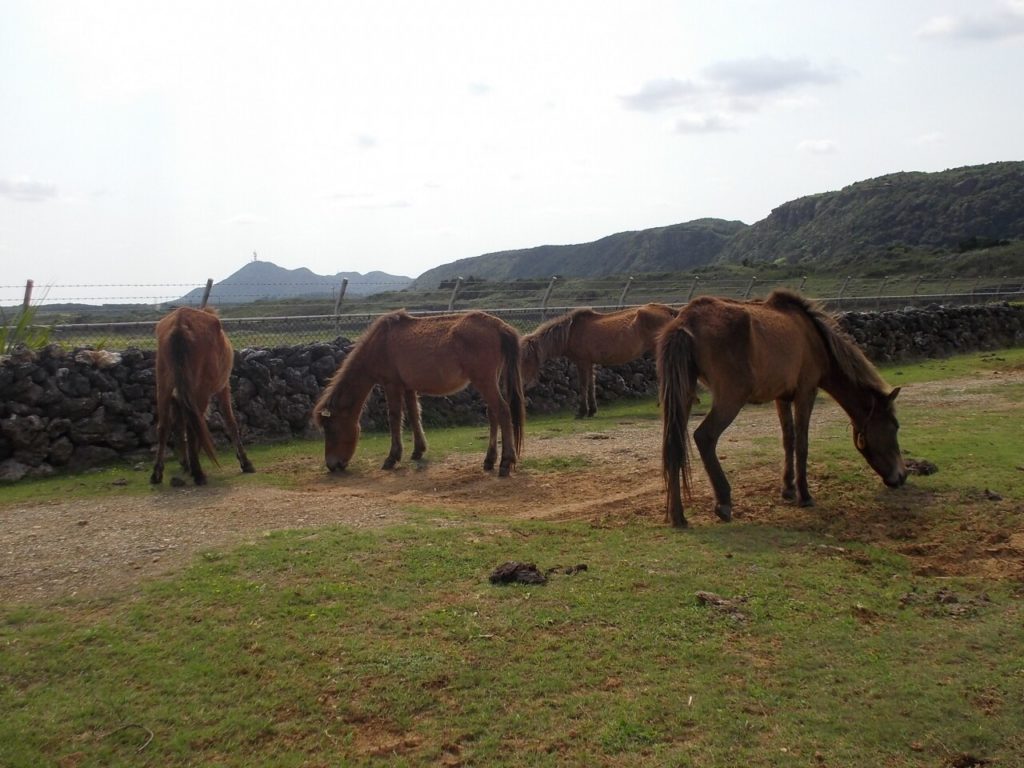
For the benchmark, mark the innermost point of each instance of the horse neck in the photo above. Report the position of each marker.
(351, 387)
(853, 397)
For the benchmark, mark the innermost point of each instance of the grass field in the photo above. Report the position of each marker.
(387, 645)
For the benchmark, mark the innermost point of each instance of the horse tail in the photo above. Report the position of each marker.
(189, 416)
(677, 385)
(514, 385)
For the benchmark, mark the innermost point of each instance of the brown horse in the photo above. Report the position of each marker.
(436, 355)
(781, 349)
(587, 337)
(193, 363)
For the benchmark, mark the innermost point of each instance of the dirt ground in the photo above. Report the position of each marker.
(54, 550)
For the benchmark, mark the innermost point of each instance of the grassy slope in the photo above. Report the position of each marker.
(345, 647)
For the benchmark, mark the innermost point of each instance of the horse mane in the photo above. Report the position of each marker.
(551, 337)
(842, 349)
(370, 339)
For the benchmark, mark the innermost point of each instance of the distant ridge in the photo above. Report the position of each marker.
(875, 220)
(265, 280)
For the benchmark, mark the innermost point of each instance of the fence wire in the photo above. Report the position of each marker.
(252, 320)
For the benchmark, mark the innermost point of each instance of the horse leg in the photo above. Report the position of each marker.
(583, 374)
(784, 408)
(801, 425)
(499, 415)
(591, 390)
(163, 428)
(706, 437)
(394, 394)
(412, 407)
(224, 404)
(192, 455)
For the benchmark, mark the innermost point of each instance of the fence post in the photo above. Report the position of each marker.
(337, 303)
(625, 290)
(455, 293)
(917, 284)
(696, 279)
(547, 295)
(750, 287)
(881, 287)
(842, 290)
(28, 295)
(945, 291)
(803, 282)
(206, 293)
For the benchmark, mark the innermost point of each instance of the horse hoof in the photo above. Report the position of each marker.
(155, 479)
(504, 471)
(488, 466)
(808, 502)
(788, 494)
(248, 468)
(417, 455)
(388, 464)
(200, 480)
(724, 512)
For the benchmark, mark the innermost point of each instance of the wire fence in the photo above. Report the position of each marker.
(116, 317)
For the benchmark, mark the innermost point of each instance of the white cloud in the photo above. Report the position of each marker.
(767, 75)
(243, 220)
(656, 95)
(366, 141)
(819, 146)
(704, 123)
(27, 190)
(928, 139)
(731, 88)
(1002, 23)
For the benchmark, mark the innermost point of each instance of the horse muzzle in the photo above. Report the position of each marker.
(336, 465)
(895, 481)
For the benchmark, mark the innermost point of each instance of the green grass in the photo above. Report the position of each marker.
(388, 646)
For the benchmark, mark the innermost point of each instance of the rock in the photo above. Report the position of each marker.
(12, 471)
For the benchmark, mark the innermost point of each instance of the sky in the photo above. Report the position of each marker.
(161, 143)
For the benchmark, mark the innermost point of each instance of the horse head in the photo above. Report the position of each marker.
(875, 438)
(341, 434)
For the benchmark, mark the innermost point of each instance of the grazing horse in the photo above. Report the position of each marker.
(193, 363)
(587, 337)
(436, 355)
(783, 349)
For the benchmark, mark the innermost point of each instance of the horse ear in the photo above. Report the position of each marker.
(892, 395)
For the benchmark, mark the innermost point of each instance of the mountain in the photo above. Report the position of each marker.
(265, 280)
(960, 209)
(957, 209)
(663, 249)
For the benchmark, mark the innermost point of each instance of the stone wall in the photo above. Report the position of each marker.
(73, 410)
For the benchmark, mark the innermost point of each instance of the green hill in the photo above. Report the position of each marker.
(958, 210)
(961, 220)
(663, 249)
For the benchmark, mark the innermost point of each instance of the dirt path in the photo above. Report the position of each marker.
(54, 550)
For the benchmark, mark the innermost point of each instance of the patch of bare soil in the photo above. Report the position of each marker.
(54, 550)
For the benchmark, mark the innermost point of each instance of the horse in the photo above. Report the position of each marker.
(193, 363)
(437, 355)
(783, 349)
(587, 337)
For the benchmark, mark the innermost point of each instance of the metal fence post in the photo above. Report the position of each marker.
(206, 293)
(881, 287)
(547, 295)
(625, 290)
(803, 282)
(28, 295)
(455, 293)
(842, 290)
(750, 287)
(696, 279)
(337, 303)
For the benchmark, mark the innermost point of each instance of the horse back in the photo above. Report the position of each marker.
(753, 351)
(192, 342)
